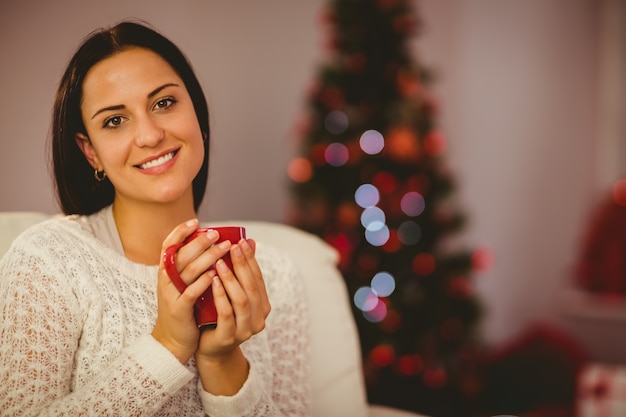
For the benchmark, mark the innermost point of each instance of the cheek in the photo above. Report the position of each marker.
(196, 145)
(199, 153)
(194, 135)
(111, 156)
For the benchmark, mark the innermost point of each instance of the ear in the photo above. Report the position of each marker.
(88, 150)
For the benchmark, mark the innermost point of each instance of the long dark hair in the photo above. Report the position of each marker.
(78, 192)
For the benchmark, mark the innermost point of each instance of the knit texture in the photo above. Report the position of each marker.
(75, 324)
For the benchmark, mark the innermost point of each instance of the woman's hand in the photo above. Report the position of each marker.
(242, 306)
(175, 327)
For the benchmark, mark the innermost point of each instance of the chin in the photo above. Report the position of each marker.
(166, 196)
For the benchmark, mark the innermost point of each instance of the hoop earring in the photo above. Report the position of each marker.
(99, 175)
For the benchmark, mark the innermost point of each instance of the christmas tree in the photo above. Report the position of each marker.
(371, 180)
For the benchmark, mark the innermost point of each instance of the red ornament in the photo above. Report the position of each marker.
(317, 154)
(619, 192)
(418, 183)
(402, 145)
(423, 264)
(392, 321)
(602, 265)
(408, 83)
(299, 170)
(482, 259)
(434, 143)
(355, 63)
(430, 104)
(333, 98)
(354, 152)
(327, 17)
(435, 378)
(382, 355)
(460, 287)
(408, 365)
(344, 247)
(348, 215)
(405, 24)
(393, 244)
(385, 182)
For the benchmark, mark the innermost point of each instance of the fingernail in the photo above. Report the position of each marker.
(217, 282)
(191, 223)
(221, 265)
(211, 234)
(225, 244)
(237, 251)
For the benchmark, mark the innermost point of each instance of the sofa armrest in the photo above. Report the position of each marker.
(338, 388)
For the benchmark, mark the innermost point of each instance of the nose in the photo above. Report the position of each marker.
(148, 133)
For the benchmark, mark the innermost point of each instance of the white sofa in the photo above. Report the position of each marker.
(337, 380)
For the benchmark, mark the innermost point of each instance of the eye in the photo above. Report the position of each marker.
(164, 103)
(112, 122)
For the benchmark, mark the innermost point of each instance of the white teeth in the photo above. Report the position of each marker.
(156, 162)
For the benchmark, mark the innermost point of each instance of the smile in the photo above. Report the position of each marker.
(158, 161)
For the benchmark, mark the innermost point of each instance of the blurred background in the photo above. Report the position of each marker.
(531, 97)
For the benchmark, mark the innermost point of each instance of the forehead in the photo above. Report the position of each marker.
(132, 71)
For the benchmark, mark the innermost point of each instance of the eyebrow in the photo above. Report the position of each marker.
(150, 95)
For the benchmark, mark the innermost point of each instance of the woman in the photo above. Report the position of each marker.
(90, 322)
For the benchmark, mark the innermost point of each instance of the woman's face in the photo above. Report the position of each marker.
(141, 128)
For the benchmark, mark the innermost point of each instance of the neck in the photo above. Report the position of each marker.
(143, 227)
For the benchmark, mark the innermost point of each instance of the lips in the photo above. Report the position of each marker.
(157, 161)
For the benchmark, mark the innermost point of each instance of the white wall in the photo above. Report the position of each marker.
(518, 89)
(519, 95)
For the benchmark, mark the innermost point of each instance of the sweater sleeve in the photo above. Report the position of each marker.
(41, 322)
(278, 382)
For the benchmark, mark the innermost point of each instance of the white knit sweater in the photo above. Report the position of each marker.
(75, 324)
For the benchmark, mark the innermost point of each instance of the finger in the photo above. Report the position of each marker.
(248, 248)
(176, 237)
(226, 327)
(180, 232)
(200, 285)
(257, 284)
(245, 273)
(241, 266)
(195, 244)
(238, 298)
(252, 244)
(200, 254)
(248, 298)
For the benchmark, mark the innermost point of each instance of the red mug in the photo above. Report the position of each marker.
(204, 310)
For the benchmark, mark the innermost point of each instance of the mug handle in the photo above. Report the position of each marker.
(169, 262)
